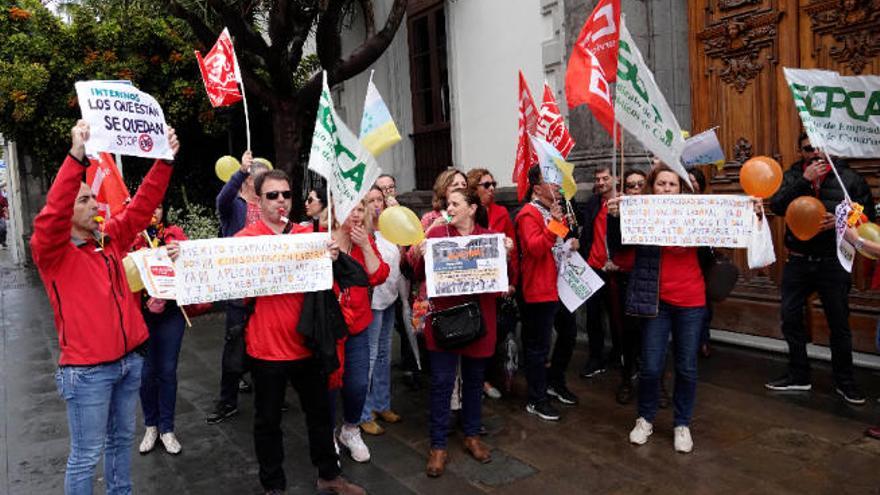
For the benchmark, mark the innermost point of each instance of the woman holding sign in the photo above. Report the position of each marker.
(355, 239)
(668, 291)
(165, 323)
(466, 215)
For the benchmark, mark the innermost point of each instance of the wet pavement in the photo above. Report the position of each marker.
(747, 440)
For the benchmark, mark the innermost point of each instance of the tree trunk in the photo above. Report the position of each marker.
(288, 147)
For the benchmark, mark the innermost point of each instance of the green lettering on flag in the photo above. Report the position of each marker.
(356, 175)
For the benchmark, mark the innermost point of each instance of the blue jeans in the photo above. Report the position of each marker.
(443, 367)
(354, 379)
(379, 332)
(159, 381)
(101, 407)
(685, 325)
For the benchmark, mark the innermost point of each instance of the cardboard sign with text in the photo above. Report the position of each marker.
(687, 220)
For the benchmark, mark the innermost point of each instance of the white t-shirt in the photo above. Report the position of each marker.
(384, 295)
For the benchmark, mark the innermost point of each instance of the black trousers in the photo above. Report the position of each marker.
(538, 320)
(563, 348)
(801, 277)
(309, 381)
(626, 327)
(597, 306)
(234, 360)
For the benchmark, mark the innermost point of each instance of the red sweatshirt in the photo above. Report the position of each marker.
(97, 317)
(355, 301)
(538, 269)
(271, 330)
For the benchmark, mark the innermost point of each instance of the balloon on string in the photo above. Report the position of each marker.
(132, 276)
(804, 217)
(760, 176)
(265, 162)
(225, 167)
(401, 226)
(870, 232)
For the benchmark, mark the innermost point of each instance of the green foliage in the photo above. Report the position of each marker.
(196, 220)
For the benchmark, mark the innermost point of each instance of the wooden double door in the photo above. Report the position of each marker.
(737, 51)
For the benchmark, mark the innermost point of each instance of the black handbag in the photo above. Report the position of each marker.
(457, 326)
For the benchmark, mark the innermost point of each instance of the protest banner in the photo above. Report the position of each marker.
(576, 281)
(846, 252)
(472, 264)
(641, 109)
(157, 272)
(841, 114)
(687, 220)
(232, 268)
(122, 119)
(339, 157)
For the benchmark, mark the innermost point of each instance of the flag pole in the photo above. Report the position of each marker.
(240, 80)
(614, 148)
(622, 161)
(839, 180)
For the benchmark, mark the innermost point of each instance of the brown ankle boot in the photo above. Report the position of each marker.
(437, 459)
(477, 449)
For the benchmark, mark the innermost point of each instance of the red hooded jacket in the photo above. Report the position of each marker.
(538, 267)
(97, 317)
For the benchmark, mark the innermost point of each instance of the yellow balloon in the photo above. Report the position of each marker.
(869, 232)
(401, 226)
(132, 275)
(265, 162)
(225, 167)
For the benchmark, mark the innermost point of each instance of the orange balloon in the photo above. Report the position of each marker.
(804, 217)
(760, 176)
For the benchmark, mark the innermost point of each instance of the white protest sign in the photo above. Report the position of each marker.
(122, 119)
(687, 220)
(841, 114)
(157, 272)
(639, 106)
(236, 267)
(472, 264)
(576, 282)
(846, 252)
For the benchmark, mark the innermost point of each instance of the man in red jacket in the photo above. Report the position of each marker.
(101, 332)
(279, 356)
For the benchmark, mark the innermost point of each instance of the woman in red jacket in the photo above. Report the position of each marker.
(466, 214)
(354, 239)
(541, 249)
(166, 325)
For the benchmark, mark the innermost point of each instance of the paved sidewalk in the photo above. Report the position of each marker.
(747, 440)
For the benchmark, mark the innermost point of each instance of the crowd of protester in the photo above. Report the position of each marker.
(652, 294)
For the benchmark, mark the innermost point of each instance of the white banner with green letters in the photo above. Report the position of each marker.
(841, 114)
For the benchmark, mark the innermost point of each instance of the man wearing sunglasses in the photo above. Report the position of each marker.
(812, 266)
(278, 355)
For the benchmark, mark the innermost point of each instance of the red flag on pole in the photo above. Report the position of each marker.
(218, 70)
(551, 125)
(107, 185)
(593, 63)
(528, 125)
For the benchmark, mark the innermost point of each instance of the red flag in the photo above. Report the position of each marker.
(551, 125)
(219, 72)
(106, 183)
(593, 63)
(528, 125)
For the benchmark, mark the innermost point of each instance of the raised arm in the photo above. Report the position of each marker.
(794, 185)
(227, 195)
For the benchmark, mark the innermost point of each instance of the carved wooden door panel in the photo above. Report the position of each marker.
(738, 49)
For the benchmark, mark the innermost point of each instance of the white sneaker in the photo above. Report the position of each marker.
(350, 438)
(149, 440)
(683, 441)
(640, 432)
(172, 446)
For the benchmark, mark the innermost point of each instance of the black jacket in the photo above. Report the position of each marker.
(795, 185)
(321, 321)
(587, 216)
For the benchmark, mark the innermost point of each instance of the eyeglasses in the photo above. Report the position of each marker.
(808, 148)
(309, 199)
(388, 188)
(489, 184)
(273, 195)
(634, 185)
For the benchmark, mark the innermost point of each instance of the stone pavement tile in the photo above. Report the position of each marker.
(37, 467)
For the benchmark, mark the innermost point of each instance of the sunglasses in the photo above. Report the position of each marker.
(808, 148)
(489, 184)
(309, 199)
(273, 195)
(633, 185)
